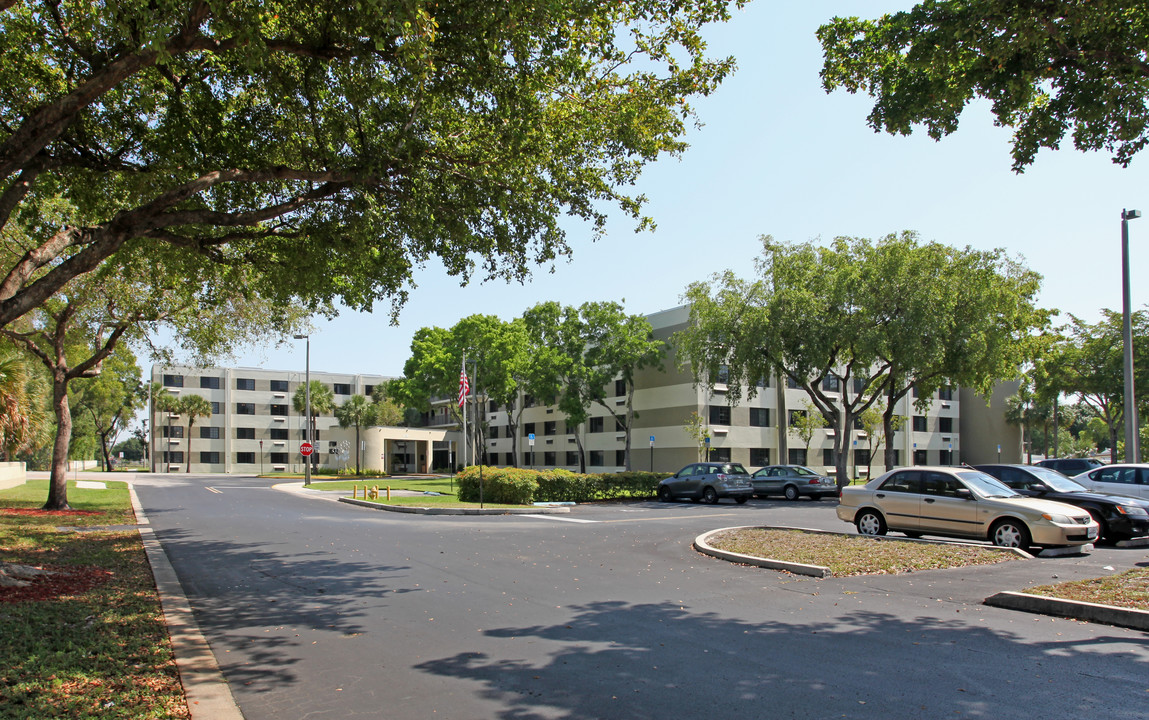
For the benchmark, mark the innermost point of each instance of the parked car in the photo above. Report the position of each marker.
(793, 482)
(1122, 479)
(962, 503)
(707, 481)
(1119, 518)
(1069, 466)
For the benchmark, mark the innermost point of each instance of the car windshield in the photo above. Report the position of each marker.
(733, 469)
(799, 470)
(985, 485)
(1056, 480)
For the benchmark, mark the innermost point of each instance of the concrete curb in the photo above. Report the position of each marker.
(455, 511)
(1091, 612)
(704, 547)
(207, 692)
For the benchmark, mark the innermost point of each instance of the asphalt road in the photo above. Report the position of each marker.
(317, 609)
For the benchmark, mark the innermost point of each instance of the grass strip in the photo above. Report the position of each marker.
(1129, 589)
(853, 554)
(76, 648)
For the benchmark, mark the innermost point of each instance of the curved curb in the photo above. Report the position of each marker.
(206, 691)
(412, 509)
(702, 546)
(1090, 612)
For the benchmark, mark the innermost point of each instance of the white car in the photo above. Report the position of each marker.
(1123, 479)
(962, 503)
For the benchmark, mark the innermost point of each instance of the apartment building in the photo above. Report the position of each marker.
(754, 432)
(254, 428)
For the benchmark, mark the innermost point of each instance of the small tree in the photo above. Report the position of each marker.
(874, 425)
(695, 427)
(360, 412)
(808, 421)
(322, 403)
(194, 407)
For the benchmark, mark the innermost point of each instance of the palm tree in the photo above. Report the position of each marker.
(357, 411)
(165, 404)
(322, 403)
(23, 419)
(194, 406)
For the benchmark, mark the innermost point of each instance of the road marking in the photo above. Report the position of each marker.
(211, 489)
(557, 518)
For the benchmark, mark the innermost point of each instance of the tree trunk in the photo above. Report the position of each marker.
(629, 425)
(358, 452)
(58, 485)
(188, 464)
(783, 421)
(581, 452)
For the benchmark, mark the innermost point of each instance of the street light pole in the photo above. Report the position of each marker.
(1132, 451)
(307, 405)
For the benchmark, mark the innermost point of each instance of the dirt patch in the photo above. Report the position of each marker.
(55, 582)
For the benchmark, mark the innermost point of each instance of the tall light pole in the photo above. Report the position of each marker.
(1132, 452)
(307, 406)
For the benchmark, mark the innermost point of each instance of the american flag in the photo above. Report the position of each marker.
(464, 387)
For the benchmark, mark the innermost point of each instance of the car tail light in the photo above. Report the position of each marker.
(815, 481)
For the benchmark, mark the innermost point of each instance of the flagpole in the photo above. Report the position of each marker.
(464, 372)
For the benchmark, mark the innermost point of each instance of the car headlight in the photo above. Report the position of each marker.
(1131, 510)
(1057, 519)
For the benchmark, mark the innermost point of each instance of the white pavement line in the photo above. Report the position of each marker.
(553, 517)
(208, 694)
(211, 489)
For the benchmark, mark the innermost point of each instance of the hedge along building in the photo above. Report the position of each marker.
(253, 427)
(755, 432)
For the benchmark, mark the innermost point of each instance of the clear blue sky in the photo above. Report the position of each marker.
(778, 156)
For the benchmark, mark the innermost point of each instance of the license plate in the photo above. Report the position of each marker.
(1092, 533)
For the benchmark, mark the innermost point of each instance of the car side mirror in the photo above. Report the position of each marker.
(964, 493)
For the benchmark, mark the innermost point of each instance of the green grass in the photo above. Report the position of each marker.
(445, 485)
(101, 652)
(853, 554)
(1129, 589)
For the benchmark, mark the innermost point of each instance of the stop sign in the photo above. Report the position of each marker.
(306, 449)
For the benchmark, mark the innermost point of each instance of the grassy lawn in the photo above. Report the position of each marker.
(446, 487)
(88, 642)
(1129, 589)
(853, 554)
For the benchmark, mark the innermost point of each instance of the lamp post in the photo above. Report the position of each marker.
(307, 405)
(1132, 452)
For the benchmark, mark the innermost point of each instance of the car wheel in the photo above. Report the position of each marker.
(709, 496)
(870, 522)
(791, 493)
(1102, 530)
(741, 500)
(664, 494)
(1010, 533)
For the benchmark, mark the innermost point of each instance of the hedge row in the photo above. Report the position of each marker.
(517, 486)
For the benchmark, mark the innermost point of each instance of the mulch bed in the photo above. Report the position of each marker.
(65, 580)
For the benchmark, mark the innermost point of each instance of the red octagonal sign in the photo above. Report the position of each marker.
(306, 449)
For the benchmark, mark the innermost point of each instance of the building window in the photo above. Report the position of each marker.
(172, 431)
(920, 457)
(764, 381)
(596, 458)
(946, 393)
(209, 383)
(278, 433)
(858, 425)
(528, 428)
(492, 406)
(279, 410)
(760, 417)
(861, 457)
(722, 375)
(279, 386)
(173, 380)
(209, 457)
(620, 458)
(245, 408)
(946, 457)
(859, 385)
(797, 456)
(759, 456)
(510, 461)
(215, 407)
(245, 433)
(549, 458)
(341, 388)
(792, 384)
(278, 458)
(494, 433)
(915, 390)
(572, 458)
(174, 456)
(209, 433)
(528, 401)
(245, 383)
(945, 425)
(549, 427)
(721, 454)
(897, 458)
(919, 423)
(245, 458)
(830, 383)
(827, 456)
(595, 425)
(620, 388)
(719, 414)
(795, 416)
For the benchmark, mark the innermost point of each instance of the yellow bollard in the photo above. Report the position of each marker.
(388, 493)
(354, 491)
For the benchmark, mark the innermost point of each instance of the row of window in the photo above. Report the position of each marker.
(213, 383)
(208, 432)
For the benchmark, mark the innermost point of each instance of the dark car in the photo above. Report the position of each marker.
(1069, 466)
(707, 481)
(793, 482)
(1120, 518)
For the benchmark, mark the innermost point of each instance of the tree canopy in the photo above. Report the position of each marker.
(1049, 69)
(338, 145)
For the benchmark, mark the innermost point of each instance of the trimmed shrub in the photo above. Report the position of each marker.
(518, 486)
(505, 486)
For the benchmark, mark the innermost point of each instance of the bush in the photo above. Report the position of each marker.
(505, 486)
(517, 486)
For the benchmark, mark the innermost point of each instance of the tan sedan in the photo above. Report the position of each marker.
(962, 503)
